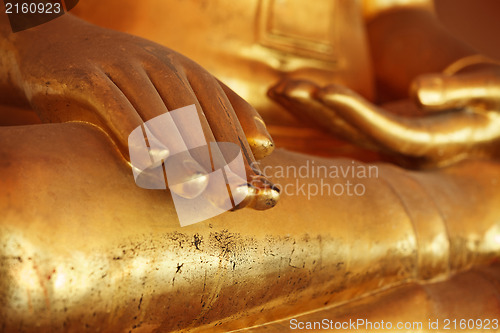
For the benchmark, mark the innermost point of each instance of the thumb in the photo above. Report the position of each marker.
(440, 92)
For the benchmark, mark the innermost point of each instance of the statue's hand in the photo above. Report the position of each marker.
(74, 71)
(468, 123)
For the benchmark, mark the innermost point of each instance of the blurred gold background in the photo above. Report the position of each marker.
(474, 21)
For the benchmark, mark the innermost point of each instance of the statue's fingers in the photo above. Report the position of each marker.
(175, 92)
(139, 91)
(262, 194)
(439, 92)
(161, 136)
(437, 138)
(298, 96)
(398, 134)
(220, 124)
(220, 117)
(253, 125)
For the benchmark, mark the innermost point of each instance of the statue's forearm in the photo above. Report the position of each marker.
(99, 240)
(408, 42)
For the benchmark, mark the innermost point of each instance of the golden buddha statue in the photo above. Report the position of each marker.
(86, 249)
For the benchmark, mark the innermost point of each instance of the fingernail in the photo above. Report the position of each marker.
(185, 176)
(429, 90)
(158, 156)
(259, 123)
(262, 194)
(158, 152)
(301, 89)
(294, 88)
(262, 144)
(229, 196)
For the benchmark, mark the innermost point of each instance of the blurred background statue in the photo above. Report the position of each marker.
(83, 248)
